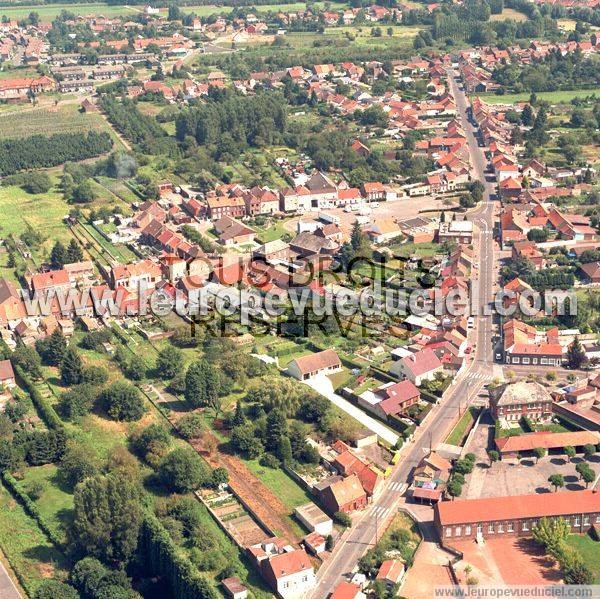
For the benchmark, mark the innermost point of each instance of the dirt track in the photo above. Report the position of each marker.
(262, 501)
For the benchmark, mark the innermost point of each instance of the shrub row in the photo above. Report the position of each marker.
(164, 560)
(45, 410)
(31, 508)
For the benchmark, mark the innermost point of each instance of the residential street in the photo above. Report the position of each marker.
(464, 390)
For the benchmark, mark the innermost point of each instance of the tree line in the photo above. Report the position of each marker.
(38, 151)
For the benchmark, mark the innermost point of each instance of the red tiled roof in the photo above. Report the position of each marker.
(318, 361)
(285, 564)
(345, 590)
(545, 440)
(421, 362)
(6, 370)
(517, 506)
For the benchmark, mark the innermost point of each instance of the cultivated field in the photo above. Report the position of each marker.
(556, 97)
(48, 13)
(509, 14)
(48, 121)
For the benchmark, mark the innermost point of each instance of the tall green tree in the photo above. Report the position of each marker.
(107, 516)
(74, 252)
(183, 470)
(71, 368)
(169, 362)
(576, 357)
(123, 401)
(202, 385)
(556, 480)
(58, 255)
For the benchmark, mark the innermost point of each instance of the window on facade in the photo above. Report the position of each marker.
(457, 531)
(467, 530)
(525, 360)
(510, 527)
(525, 526)
(500, 528)
(491, 528)
(576, 521)
(586, 520)
(448, 532)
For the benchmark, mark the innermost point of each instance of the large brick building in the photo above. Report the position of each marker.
(512, 401)
(514, 516)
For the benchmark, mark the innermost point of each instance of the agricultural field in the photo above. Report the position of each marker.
(49, 12)
(60, 119)
(50, 119)
(509, 14)
(362, 33)
(556, 97)
(204, 11)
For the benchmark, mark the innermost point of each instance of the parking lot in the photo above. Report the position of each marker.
(508, 478)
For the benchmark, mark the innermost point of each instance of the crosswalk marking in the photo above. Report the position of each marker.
(396, 486)
(379, 511)
(479, 376)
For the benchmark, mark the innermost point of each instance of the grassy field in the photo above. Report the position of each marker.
(463, 426)
(44, 212)
(509, 14)
(363, 33)
(556, 97)
(590, 552)
(203, 11)
(55, 504)
(49, 12)
(26, 548)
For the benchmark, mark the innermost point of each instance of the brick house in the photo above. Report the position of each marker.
(339, 494)
(515, 515)
(220, 206)
(53, 280)
(233, 232)
(529, 250)
(514, 400)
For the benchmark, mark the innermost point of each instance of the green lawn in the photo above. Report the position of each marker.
(463, 426)
(26, 548)
(590, 552)
(290, 492)
(54, 504)
(556, 97)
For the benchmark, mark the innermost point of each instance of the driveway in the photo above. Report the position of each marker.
(323, 386)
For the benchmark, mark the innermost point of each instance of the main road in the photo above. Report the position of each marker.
(465, 388)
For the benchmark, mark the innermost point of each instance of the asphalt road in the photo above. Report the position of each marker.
(464, 390)
(8, 589)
